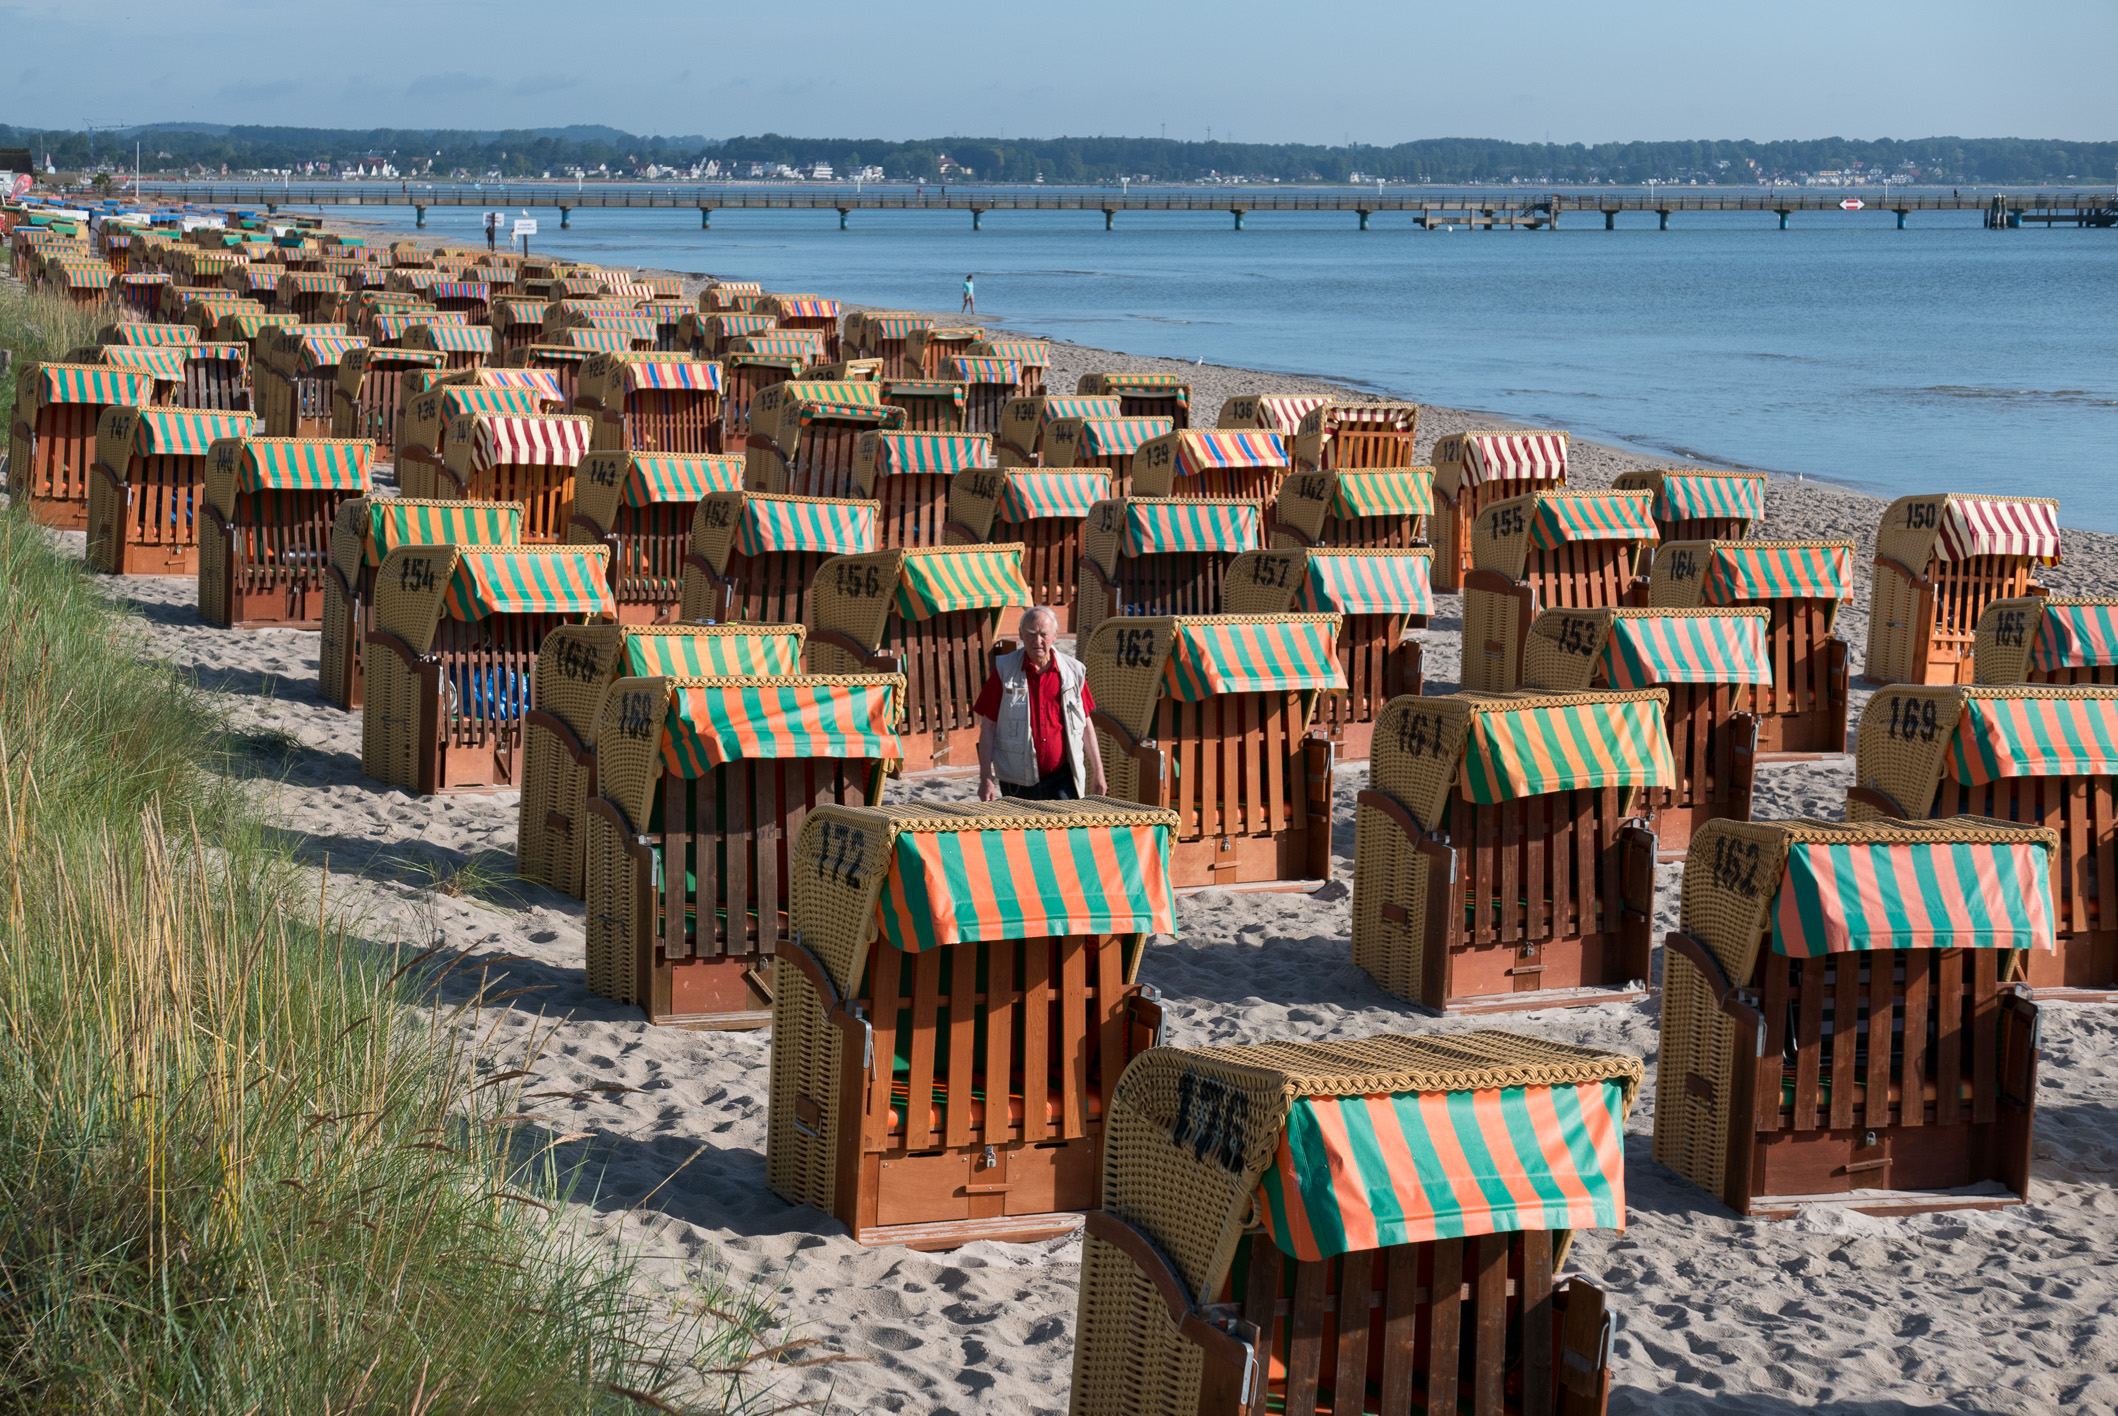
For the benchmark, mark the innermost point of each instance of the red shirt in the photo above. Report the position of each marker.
(1047, 711)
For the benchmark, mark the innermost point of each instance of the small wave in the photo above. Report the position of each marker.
(2078, 397)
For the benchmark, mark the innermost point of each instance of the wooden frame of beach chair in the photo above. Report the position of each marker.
(704, 786)
(805, 312)
(2048, 639)
(900, 983)
(1159, 556)
(1472, 471)
(449, 674)
(424, 423)
(1025, 421)
(257, 281)
(563, 361)
(757, 362)
(82, 282)
(669, 316)
(931, 406)
(1695, 504)
(1107, 445)
(931, 352)
(297, 381)
(372, 384)
(460, 346)
(642, 506)
(304, 294)
(884, 335)
(1383, 598)
(1548, 550)
(463, 297)
(217, 377)
(1143, 395)
(1357, 437)
(1032, 356)
(805, 435)
(1769, 1094)
(517, 322)
(532, 461)
(364, 533)
(1803, 713)
(1710, 661)
(1483, 884)
(137, 295)
(652, 402)
(988, 384)
(911, 476)
(1384, 508)
(1232, 1270)
(933, 610)
(575, 665)
(1044, 513)
(846, 371)
(1939, 561)
(718, 331)
(271, 508)
(755, 557)
(1214, 464)
(147, 489)
(1210, 716)
(2034, 754)
(1280, 413)
(52, 444)
(258, 336)
(392, 328)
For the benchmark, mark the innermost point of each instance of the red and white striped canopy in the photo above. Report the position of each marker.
(1515, 457)
(1999, 526)
(530, 442)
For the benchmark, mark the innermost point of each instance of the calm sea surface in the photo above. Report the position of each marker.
(1941, 357)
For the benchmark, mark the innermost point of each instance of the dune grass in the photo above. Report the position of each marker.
(247, 1165)
(36, 328)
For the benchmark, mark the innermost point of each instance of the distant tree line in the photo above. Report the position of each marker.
(522, 153)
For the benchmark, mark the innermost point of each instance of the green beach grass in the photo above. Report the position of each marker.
(246, 1163)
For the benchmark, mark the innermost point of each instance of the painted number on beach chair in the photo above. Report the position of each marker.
(579, 661)
(719, 512)
(1158, 455)
(1508, 521)
(862, 582)
(416, 573)
(1419, 735)
(1270, 571)
(1211, 1120)
(603, 474)
(845, 851)
(1136, 648)
(1683, 565)
(1312, 488)
(1912, 718)
(636, 716)
(1577, 636)
(985, 486)
(1922, 516)
(1735, 865)
(2011, 629)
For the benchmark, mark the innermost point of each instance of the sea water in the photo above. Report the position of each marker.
(1941, 357)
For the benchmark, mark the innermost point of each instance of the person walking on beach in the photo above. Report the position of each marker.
(970, 296)
(1035, 743)
(492, 230)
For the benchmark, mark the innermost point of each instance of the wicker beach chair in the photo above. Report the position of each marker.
(1106, 445)
(1355, 509)
(804, 312)
(1548, 550)
(372, 383)
(470, 298)
(1044, 513)
(931, 405)
(1939, 561)
(1280, 413)
(717, 332)
(1695, 505)
(930, 352)
(885, 335)
(304, 294)
(1214, 465)
(1354, 437)
(517, 322)
(532, 461)
(988, 384)
(1381, 597)
(81, 282)
(296, 381)
(2048, 639)
(704, 785)
(450, 658)
(729, 297)
(1474, 470)
(1500, 859)
(641, 506)
(756, 557)
(910, 474)
(575, 665)
(251, 331)
(751, 362)
(460, 346)
(265, 548)
(52, 442)
(1375, 1225)
(931, 613)
(1025, 420)
(1159, 556)
(954, 1012)
(1802, 713)
(1142, 395)
(2035, 754)
(391, 326)
(1032, 357)
(136, 295)
(365, 532)
(147, 489)
(1209, 716)
(662, 403)
(805, 435)
(1710, 661)
(1835, 1027)
(423, 425)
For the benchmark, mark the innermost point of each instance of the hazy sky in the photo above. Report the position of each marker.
(1373, 71)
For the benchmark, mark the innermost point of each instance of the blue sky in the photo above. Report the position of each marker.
(1372, 72)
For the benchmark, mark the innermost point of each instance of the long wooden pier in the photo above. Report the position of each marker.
(1427, 208)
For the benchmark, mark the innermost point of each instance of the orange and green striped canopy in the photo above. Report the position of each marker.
(1366, 1172)
(500, 581)
(148, 334)
(2076, 637)
(936, 582)
(897, 326)
(1646, 650)
(1035, 496)
(1839, 897)
(1686, 495)
(663, 374)
(1743, 574)
(327, 351)
(303, 465)
(1121, 437)
(459, 399)
(1370, 585)
(601, 341)
(907, 454)
(459, 339)
(187, 432)
(774, 523)
(1154, 528)
(1605, 516)
(1030, 353)
(979, 370)
(779, 346)
(102, 385)
(1199, 452)
(1532, 751)
(1087, 405)
(767, 651)
(1386, 493)
(165, 362)
(393, 523)
(967, 887)
(662, 477)
(712, 724)
(2035, 737)
(1215, 656)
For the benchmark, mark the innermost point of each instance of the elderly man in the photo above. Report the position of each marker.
(1036, 742)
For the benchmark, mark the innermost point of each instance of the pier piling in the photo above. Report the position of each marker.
(419, 214)
(1364, 218)
(566, 217)
(844, 212)
(1238, 214)
(1109, 218)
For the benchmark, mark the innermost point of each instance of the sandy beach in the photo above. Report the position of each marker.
(2015, 1311)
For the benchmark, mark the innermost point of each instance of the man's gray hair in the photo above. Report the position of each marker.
(1042, 610)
